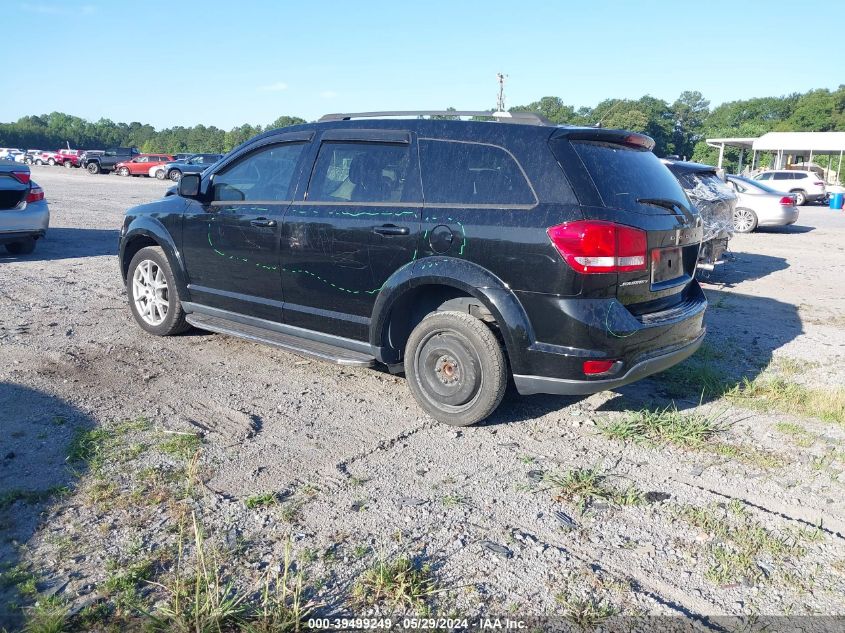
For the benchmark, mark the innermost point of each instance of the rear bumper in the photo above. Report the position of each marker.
(781, 217)
(31, 221)
(569, 331)
(527, 385)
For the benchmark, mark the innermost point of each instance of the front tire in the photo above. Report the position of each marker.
(24, 247)
(38, 161)
(153, 296)
(456, 368)
(800, 198)
(51, 162)
(175, 175)
(93, 168)
(160, 175)
(68, 164)
(745, 220)
(123, 171)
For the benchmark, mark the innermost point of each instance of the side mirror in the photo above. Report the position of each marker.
(189, 185)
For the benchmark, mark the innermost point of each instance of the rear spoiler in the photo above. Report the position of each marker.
(620, 137)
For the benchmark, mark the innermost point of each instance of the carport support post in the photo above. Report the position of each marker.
(753, 160)
(741, 155)
(839, 166)
(721, 154)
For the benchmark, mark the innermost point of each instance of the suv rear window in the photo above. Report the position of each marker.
(704, 185)
(457, 172)
(622, 174)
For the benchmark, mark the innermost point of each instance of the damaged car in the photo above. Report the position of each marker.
(715, 202)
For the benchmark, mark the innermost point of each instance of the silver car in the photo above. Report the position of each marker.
(24, 214)
(759, 205)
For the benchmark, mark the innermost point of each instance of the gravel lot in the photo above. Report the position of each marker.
(99, 422)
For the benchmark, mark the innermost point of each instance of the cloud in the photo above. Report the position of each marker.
(52, 9)
(328, 94)
(276, 87)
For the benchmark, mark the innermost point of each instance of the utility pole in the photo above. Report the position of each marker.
(500, 101)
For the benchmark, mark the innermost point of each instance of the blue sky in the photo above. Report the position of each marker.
(248, 61)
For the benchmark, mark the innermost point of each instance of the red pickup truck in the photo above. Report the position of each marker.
(68, 157)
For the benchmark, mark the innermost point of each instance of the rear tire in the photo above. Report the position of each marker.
(38, 161)
(456, 368)
(24, 247)
(51, 162)
(800, 198)
(68, 164)
(745, 220)
(160, 175)
(153, 295)
(93, 168)
(175, 175)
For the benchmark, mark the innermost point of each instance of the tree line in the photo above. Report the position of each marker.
(57, 130)
(678, 128)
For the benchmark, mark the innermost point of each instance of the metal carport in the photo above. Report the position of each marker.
(785, 144)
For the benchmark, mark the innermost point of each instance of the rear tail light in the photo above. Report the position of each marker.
(35, 194)
(787, 201)
(21, 176)
(819, 184)
(590, 246)
(593, 367)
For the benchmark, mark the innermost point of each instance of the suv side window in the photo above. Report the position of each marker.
(265, 174)
(359, 172)
(471, 173)
(779, 175)
(798, 176)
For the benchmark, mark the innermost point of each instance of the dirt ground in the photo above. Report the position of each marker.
(116, 447)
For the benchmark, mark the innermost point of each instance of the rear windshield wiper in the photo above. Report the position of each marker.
(672, 205)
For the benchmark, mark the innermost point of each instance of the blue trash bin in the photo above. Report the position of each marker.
(837, 200)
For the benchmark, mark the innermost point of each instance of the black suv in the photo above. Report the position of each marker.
(105, 162)
(457, 252)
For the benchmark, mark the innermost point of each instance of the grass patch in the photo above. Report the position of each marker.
(664, 426)
(453, 500)
(32, 496)
(586, 485)
(739, 544)
(697, 377)
(767, 393)
(798, 433)
(181, 445)
(398, 584)
(21, 579)
(129, 578)
(48, 615)
(586, 613)
(95, 446)
(261, 500)
(205, 601)
(747, 455)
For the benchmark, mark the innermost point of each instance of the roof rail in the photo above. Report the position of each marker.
(530, 118)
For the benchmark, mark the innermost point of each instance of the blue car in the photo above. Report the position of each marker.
(194, 164)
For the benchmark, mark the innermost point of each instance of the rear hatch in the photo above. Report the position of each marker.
(14, 184)
(618, 179)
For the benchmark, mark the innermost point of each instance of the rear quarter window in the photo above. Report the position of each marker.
(622, 175)
(455, 172)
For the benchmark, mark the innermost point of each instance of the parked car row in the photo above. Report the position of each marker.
(125, 161)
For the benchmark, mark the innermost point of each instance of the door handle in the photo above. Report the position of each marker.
(262, 222)
(391, 229)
